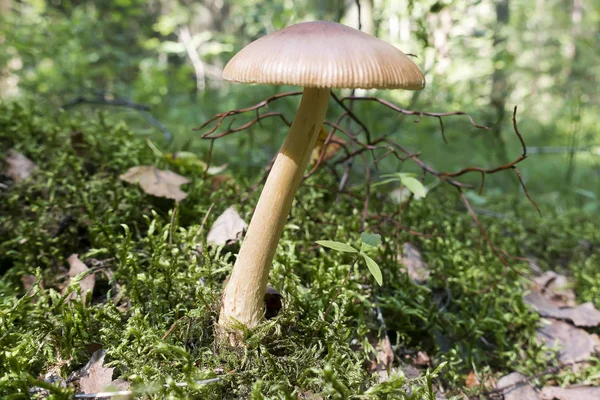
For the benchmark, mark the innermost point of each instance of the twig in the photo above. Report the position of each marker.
(142, 108)
(379, 148)
(171, 225)
(105, 102)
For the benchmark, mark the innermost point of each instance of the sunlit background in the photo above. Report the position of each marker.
(480, 56)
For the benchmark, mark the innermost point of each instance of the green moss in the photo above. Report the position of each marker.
(154, 312)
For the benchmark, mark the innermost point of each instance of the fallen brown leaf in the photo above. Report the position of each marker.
(571, 393)
(227, 229)
(331, 150)
(422, 359)
(219, 180)
(516, 387)
(217, 169)
(472, 380)
(556, 287)
(308, 395)
(385, 353)
(29, 280)
(410, 371)
(156, 182)
(94, 376)
(19, 167)
(575, 344)
(76, 267)
(582, 315)
(412, 259)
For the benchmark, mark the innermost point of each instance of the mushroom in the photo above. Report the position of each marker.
(319, 56)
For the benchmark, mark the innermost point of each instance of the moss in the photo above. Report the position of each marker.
(156, 300)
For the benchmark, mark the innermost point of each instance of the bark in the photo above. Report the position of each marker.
(500, 84)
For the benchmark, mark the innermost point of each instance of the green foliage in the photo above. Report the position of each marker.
(155, 308)
(540, 58)
(413, 185)
(165, 279)
(368, 242)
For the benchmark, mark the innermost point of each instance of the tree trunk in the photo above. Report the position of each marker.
(359, 15)
(500, 85)
(8, 81)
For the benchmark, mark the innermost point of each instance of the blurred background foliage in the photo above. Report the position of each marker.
(479, 56)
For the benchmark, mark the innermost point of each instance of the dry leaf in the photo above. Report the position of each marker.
(385, 376)
(422, 359)
(582, 315)
(575, 344)
(417, 269)
(381, 361)
(308, 395)
(410, 371)
(472, 380)
(556, 287)
(331, 150)
(516, 387)
(385, 353)
(572, 393)
(219, 180)
(76, 267)
(227, 229)
(217, 169)
(19, 166)
(95, 377)
(120, 384)
(29, 280)
(156, 182)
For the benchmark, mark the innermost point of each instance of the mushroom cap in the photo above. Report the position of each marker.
(324, 54)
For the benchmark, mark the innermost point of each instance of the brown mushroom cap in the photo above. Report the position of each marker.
(324, 54)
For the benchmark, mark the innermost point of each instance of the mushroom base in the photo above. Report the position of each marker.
(243, 298)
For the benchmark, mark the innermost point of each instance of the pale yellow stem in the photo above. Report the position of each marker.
(243, 298)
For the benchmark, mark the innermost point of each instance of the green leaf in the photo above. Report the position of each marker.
(338, 246)
(373, 268)
(371, 239)
(384, 182)
(395, 177)
(399, 175)
(439, 368)
(476, 198)
(415, 186)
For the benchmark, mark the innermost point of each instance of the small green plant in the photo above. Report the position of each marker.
(408, 180)
(368, 243)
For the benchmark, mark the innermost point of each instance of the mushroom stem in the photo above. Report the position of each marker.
(243, 298)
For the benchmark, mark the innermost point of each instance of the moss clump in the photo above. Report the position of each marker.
(156, 297)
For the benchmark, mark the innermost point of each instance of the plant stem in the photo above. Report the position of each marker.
(243, 298)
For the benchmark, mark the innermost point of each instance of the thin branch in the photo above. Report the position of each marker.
(362, 142)
(105, 102)
(142, 108)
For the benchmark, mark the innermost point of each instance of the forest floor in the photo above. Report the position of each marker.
(108, 285)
